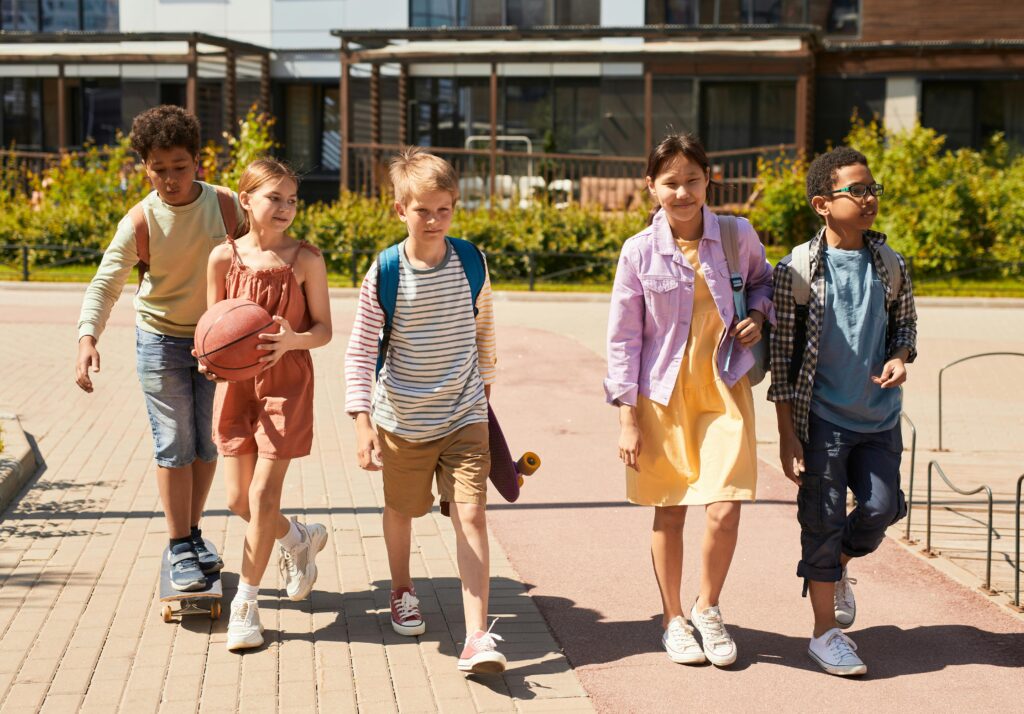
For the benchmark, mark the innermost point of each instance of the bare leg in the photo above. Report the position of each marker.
(238, 471)
(667, 556)
(202, 480)
(266, 523)
(823, 603)
(473, 553)
(175, 487)
(720, 534)
(398, 541)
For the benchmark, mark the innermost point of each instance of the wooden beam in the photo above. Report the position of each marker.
(403, 103)
(62, 112)
(374, 124)
(804, 128)
(494, 130)
(264, 105)
(648, 108)
(191, 97)
(343, 114)
(230, 91)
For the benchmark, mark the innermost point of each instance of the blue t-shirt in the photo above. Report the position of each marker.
(852, 347)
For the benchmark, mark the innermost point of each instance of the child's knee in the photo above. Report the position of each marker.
(669, 518)
(239, 505)
(723, 516)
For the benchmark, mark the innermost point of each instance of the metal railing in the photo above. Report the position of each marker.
(934, 465)
(913, 460)
(1016, 540)
(24, 252)
(960, 361)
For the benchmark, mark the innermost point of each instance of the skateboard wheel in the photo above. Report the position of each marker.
(215, 610)
(166, 613)
(528, 463)
(520, 481)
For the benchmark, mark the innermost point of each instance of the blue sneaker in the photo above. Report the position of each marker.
(186, 575)
(209, 562)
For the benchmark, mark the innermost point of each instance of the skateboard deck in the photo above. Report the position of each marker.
(507, 474)
(190, 602)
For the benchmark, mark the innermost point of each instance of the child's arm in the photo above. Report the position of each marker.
(313, 270)
(360, 364)
(902, 346)
(100, 296)
(625, 342)
(758, 282)
(782, 391)
(216, 290)
(486, 343)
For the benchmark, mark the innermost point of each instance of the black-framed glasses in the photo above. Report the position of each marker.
(860, 190)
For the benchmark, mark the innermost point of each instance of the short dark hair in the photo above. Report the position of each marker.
(165, 127)
(672, 146)
(823, 171)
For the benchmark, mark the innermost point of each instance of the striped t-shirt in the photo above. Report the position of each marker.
(439, 358)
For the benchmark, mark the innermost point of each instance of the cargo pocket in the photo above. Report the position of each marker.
(809, 509)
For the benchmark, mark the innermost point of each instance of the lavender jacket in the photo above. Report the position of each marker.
(652, 303)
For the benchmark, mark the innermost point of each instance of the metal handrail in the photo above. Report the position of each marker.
(1016, 540)
(966, 359)
(913, 459)
(987, 587)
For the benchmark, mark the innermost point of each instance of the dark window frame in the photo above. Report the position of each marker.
(40, 18)
(461, 12)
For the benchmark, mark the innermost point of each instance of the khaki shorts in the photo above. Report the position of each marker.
(461, 461)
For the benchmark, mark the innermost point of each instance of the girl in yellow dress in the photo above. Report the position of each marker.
(677, 359)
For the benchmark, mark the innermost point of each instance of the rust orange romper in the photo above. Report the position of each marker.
(272, 413)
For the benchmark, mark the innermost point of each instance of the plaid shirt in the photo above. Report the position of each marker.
(902, 324)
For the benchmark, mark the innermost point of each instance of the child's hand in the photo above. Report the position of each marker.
(367, 444)
(748, 330)
(88, 357)
(629, 444)
(204, 371)
(277, 343)
(791, 453)
(894, 373)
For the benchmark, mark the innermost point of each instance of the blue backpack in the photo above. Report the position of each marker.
(389, 270)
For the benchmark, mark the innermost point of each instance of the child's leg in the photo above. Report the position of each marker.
(202, 480)
(874, 477)
(667, 555)
(238, 473)
(720, 535)
(398, 541)
(266, 523)
(473, 554)
(175, 486)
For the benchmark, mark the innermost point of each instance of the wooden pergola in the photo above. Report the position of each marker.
(136, 48)
(666, 49)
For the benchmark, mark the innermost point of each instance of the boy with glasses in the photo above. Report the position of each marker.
(846, 329)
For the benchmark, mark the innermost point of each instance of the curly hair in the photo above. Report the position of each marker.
(165, 127)
(823, 171)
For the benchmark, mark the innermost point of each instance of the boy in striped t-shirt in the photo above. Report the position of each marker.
(427, 413)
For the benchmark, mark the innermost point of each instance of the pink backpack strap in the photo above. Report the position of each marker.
(141, 229)
(227, 209)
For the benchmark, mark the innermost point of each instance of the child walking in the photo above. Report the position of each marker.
(846, 329)
(169, 234)
(677, 359)
(262, 423)
(427, 415)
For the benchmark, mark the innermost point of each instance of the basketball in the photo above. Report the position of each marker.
(227, 338)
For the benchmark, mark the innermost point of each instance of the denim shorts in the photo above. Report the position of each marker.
(179, 400)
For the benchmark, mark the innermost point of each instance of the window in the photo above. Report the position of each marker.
(671, 12)
(59, 15)
(738, 115)
(835, 102)
(521, 13)
(299, 118)
(727, 12)
(673, 107)
(969, 113)
(20, 113)
(838, 17)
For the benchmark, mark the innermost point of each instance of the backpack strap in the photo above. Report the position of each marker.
(730, 244)
(800, 268)
(388, 271)
(892, 266)
(473, 265)
(141, 229)
(226, 201)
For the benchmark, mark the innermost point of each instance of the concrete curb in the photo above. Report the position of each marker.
(17, 460)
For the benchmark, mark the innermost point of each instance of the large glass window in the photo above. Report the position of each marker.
(727, 12)
(59, 15)
(737, 115)
(622, 116)
(671, 12)
(838, 17)
(20, 113)
(673, 107)
(20, 15)
(521, 13)
(835, 102)
(969, 113)
(299, 120)
(101, 110)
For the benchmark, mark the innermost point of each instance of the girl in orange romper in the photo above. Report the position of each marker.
(260, 424)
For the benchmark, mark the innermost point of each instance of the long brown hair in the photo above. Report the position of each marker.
(672, 146)
(255, 175)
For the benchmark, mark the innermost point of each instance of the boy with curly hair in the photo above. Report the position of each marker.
(846, 329)
(169, 234)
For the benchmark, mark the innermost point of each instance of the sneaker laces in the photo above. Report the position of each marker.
(408, 606)
(486, 641)
(680, 635)
(843, 594)
(287, 564)
(715, 628)
(241, 611)
(840, 645)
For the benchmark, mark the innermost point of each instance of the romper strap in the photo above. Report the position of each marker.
(235, 257)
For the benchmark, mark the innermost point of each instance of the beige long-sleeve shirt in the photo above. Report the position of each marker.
(172, 296)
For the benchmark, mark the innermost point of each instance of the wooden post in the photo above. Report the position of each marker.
(804, 125)
(62, 111)
(265, 83)
(648, 109)
(403, 103)
(494, 131)
(343, 113)
(374, 124)
(230, 90)
(191, 98)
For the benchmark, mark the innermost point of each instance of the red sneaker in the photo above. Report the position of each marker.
(405, 613)
(481, 655)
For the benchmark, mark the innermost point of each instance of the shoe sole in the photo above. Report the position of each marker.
(848, 624)
(720, 661)
(852, 671)
(311, 571)
(489, 666)
(245, 645)
(194, 585)
(687, 659)
(409, 630)
(213, 568)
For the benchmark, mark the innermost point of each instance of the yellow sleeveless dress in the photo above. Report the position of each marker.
(702, 447)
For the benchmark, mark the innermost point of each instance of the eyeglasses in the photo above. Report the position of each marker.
(859, 190)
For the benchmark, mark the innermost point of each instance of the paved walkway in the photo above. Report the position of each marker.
(79, 556)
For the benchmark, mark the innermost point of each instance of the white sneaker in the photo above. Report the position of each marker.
(298, 565)
(718, 643)
(680, 644)
(244, 628)
(846, 606)
(481, 655)
(835, 653)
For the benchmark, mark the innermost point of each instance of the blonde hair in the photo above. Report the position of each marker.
(256, 174)
(414, 171)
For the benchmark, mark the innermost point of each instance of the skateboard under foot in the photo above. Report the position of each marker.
(189, 602)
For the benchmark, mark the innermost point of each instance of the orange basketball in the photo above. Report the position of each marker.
(227, 338)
